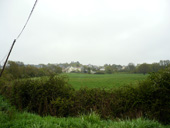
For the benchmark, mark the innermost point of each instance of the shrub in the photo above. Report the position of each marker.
(36, 95)
(156, 93)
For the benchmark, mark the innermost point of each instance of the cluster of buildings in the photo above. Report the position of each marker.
(73, 67)
(82, 69)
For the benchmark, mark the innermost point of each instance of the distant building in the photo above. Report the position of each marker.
(123, 67)
(102, 69)
(92, 72)
(72, 69)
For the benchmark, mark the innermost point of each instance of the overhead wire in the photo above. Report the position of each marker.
(3, 59)
(27, 19)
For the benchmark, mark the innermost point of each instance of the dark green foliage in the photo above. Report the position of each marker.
(159, 97)
(131, 67)
(18, 70)
(144, 68)
(37, 95)
(54, 96)
(152, 97)
(109, 69)
(11, 118)
(90, 100)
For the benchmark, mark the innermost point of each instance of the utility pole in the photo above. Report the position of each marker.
(17, 38)
(7, 57)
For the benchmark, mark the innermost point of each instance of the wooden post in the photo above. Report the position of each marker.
(7, 58)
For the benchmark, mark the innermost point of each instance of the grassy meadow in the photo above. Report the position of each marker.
(106, 81)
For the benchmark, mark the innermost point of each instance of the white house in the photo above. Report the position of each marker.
(72, 69)
(102, 69)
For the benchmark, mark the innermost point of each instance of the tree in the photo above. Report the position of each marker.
(15, 69)
(131, 67)
(31, 71)
(89, 70)
(164, 63)
(54, 68)
(155, 67)
(58, 69)
(144, 68)
(109, 69)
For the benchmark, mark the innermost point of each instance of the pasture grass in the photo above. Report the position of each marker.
(11, 118)
(106, 81)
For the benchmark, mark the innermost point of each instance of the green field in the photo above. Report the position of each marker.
(106, 81)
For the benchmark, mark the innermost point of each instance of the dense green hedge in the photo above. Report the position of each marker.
(54, 96)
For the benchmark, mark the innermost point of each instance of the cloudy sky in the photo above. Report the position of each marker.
(89, 31)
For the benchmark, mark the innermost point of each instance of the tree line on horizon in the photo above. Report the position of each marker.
(16, 69)
(139, 68)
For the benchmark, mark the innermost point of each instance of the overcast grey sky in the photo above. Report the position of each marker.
(89, 31)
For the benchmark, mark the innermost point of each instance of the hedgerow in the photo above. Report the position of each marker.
(54, 96)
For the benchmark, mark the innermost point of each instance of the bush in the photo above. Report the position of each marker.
(151, 97)
(155, 92)
(36, 95)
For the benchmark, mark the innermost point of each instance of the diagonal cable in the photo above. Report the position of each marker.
(27, 19)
